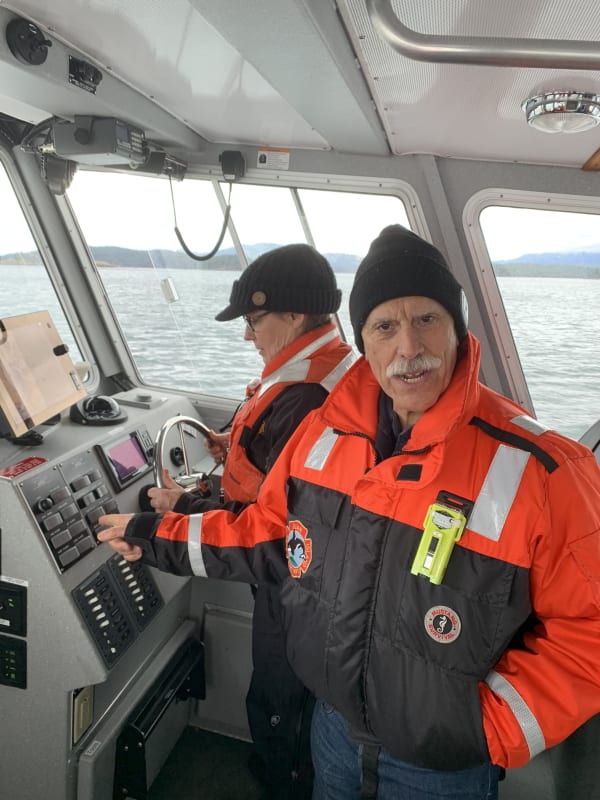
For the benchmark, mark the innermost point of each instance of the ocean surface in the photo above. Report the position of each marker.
(555, 322)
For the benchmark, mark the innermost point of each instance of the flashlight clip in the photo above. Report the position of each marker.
(443, 526)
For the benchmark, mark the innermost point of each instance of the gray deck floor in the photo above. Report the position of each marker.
(207, 766)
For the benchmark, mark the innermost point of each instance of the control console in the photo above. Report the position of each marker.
(68, 498)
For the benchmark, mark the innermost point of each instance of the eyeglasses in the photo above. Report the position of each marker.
(251, 321)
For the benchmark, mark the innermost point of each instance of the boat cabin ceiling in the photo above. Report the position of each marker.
(373, 78)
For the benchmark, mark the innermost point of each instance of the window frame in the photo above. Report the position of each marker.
(49, 263)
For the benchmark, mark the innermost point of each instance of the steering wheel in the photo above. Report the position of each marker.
(187, 478)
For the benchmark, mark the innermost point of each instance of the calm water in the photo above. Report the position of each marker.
(555, 323)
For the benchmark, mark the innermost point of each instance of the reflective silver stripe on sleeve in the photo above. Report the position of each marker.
(195, 545)
(529, 424)
(321, 449)
(498, 492)
(523, 714)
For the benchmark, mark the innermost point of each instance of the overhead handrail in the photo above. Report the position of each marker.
(499, 52)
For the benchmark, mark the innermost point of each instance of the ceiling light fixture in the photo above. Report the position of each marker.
(563, 112)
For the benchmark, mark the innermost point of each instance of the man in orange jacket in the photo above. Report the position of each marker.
(440, 585)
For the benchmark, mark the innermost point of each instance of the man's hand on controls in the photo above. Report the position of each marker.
(114, 533)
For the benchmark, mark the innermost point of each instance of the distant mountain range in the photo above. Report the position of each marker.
(226, 259)
(582, 264)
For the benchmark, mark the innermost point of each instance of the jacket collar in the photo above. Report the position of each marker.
(303, 347)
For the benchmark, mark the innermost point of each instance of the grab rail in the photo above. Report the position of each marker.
(500, 52)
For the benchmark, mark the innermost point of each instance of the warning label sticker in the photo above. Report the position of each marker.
(14, 470)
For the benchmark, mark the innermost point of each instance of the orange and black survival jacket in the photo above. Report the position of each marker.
(317, 357)
(500, 659)
(294, 383)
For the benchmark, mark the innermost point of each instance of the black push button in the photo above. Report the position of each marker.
(80, 483)
(60, 539)
(70, 555)
(51, 522)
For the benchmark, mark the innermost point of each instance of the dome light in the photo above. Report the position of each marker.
(563, 112)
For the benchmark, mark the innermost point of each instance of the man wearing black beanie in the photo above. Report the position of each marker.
(442, 553)
(401, 264)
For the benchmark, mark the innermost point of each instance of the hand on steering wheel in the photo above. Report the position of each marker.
(187, 477)
(164, 499)
(218, 446)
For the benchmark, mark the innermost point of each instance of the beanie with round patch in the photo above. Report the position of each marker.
(295, 277)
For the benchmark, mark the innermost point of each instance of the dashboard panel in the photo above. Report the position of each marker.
(82, 631)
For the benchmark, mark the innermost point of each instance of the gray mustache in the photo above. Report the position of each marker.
(406, 366)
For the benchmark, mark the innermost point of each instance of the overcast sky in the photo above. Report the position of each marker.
(511, 232)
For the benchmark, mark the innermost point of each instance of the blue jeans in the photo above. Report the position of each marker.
(337, 762)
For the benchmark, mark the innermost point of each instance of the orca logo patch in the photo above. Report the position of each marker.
(298, 548)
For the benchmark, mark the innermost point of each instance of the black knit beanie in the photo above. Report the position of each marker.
(401, 264)
(291, 278)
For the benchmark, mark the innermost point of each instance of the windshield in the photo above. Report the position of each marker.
(166, 302)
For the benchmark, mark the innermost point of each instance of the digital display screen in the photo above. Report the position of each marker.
(127, 459)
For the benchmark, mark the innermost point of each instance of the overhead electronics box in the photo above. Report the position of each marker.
(99, 141)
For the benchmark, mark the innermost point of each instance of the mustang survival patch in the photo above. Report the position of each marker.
(442, 624)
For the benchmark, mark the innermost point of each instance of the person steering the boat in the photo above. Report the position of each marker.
(286, 298)
(437, 548)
